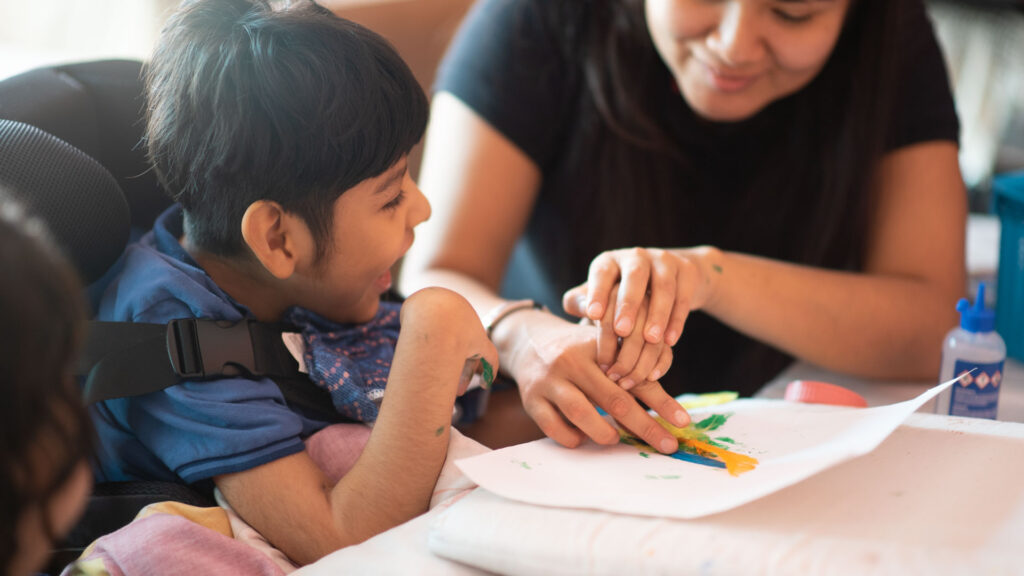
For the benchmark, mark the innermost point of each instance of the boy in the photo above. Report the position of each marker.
(283, 135)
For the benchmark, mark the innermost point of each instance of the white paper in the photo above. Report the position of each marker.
(791, 441)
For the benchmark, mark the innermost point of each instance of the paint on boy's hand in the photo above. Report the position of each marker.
(477, 367)
(716, 268)
(439, 431)
(487, 373)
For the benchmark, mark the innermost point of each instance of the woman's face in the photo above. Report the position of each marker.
(732, 58)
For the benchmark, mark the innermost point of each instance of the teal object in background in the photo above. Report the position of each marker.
(1009, 204)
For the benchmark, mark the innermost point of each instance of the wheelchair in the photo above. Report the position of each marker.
(70, 152)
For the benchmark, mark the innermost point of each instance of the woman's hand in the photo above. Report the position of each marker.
(630, 360)
(645, 292)
(554, 363)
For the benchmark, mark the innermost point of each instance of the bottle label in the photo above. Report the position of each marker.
(976, 394)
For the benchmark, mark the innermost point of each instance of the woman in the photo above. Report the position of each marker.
(787, 168)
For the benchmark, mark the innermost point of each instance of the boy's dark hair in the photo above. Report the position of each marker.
(294, 105)
(45, 431)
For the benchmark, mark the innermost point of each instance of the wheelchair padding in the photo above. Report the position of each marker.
(99, 108)
(78, 198)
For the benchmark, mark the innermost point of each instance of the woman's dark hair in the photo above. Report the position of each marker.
(805, 197)
(834, 134)
(247, 103)
(45, 431)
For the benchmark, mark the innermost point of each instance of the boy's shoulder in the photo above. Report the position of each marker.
(156, 281)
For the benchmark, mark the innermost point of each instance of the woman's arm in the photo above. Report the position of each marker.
(483, 188)
(290, 501)
(885, 322)
(889, 321)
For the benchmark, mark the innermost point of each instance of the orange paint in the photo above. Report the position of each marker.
(735, 463)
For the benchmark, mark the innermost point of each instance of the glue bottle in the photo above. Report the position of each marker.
(976, 353)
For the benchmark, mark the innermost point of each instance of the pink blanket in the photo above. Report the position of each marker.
(167, 543)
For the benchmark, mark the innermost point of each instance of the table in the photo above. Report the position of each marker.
(878, 393)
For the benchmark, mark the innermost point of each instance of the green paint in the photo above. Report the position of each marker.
(716, 268)
(695, 431)
(670, 476)
(712, 422)
(650, 476)
(525, 465)
(439, 431)
(488, 373)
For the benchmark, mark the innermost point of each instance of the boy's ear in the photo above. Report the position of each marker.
(276, 238)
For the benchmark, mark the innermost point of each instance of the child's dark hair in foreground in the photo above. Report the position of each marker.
(44, 429)
(283, 135)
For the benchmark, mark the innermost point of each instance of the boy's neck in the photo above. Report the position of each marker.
(260, 293)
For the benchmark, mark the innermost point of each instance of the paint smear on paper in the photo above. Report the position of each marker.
(697, 446)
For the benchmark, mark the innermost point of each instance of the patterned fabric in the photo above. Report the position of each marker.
(350, 361)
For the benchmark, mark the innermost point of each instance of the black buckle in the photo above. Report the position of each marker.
(210, 348)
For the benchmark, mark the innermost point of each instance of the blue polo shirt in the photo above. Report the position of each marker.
(195, 430)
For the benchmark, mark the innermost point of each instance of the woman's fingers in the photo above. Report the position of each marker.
(662, 365)
(554, 426)
(574, 301)
(663, 294)
(565, 414)
(623, 407)
(644, 368)
(604, 273)
(635, 266)
(629, 352)
(654, 396)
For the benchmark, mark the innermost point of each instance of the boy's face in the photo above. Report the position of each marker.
(373, 229)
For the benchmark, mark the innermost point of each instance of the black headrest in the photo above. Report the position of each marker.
(76, 196)
(97, 107)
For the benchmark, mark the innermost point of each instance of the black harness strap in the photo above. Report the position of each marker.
(130, 359)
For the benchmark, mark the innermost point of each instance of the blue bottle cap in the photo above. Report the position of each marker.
(976, 318)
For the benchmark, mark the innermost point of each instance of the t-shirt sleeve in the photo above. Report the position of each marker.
(505, 63)
(924, 108)
(203, 429)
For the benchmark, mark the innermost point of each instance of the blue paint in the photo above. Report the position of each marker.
(687, 457)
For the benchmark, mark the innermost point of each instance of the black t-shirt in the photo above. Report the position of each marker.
(509, 63)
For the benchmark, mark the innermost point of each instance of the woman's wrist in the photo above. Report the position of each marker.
(512, 335)
(710, 261)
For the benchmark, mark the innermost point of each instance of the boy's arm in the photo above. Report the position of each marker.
(291, 502)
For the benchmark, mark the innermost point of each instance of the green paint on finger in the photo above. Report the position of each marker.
(716, 268)
(439, 431)
(488, 373)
